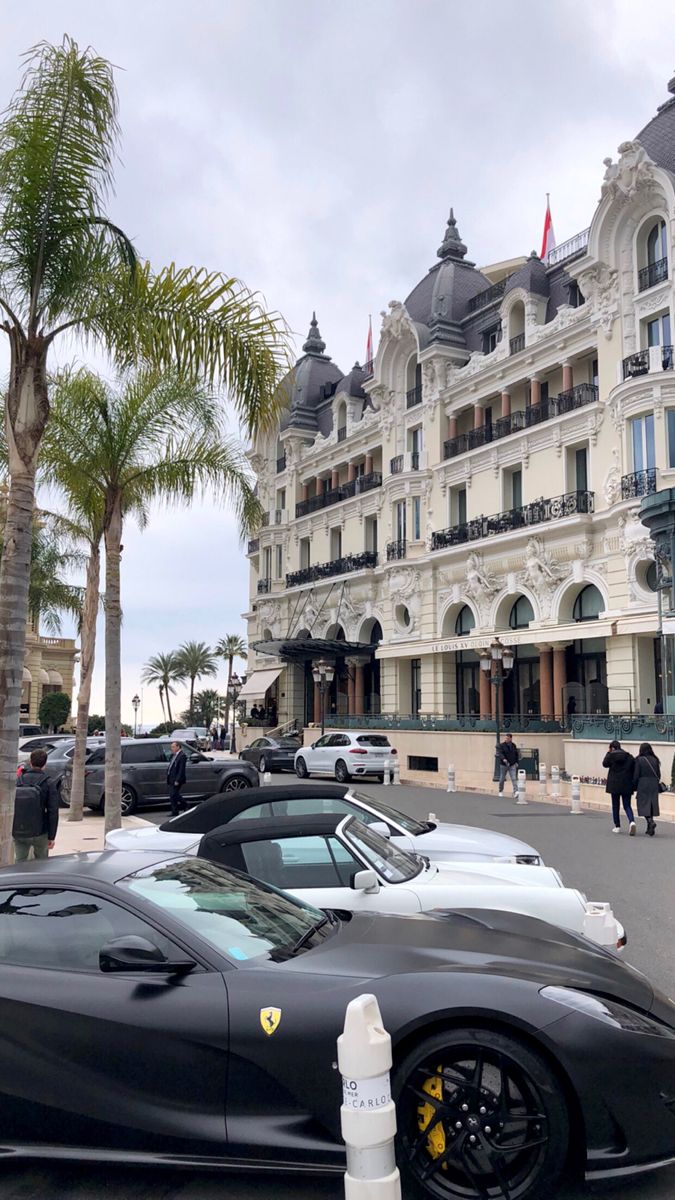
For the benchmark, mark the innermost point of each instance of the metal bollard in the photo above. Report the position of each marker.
(576, 796)
(521, 788)
(368, 1114)
(555, 783)
(396, 776)
(451, 777)
(267, 777)
(387, 772)
(542, 779)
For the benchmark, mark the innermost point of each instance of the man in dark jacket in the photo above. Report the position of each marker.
(36, 810)
(620, 765)
(175, 777)
(508, 757)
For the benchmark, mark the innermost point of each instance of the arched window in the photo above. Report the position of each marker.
(588, 604)
(521, 614)
(657, 247)
(517, 327)
(651, 577)
(341, 422)
(465, 621)
(656, 269)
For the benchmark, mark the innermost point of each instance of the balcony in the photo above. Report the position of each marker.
(264, 586)
(396, 465)
(655, 273)
(413, 397)
(253, 546)
(396, 550)
(517, 343)
(345, 491)
(342, 433)
(412, 460)
(337, 566)
(281, 463)
(655, 358)
(369, 368)
(574, 245)
(577, 397)
(535, 513)
(640, 483)
(482, 299)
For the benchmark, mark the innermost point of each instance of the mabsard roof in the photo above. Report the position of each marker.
(439, 302)
(532, 276)
(658, 136)
(307, 387)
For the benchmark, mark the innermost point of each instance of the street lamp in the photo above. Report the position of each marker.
(234, 689)
(323, 673)
(135, 703)
(497, 663)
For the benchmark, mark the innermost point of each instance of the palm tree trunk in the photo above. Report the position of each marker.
(26, 417)
(87, 655)
(167, 685)
(161, 700)
(192, 699)
(113, 688)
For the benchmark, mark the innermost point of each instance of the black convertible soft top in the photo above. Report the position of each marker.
(221, 808)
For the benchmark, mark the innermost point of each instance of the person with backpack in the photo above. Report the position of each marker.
(620, 765)
(36, 810)
(647, 782)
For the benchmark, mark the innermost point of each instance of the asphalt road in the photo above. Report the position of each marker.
(635, 874)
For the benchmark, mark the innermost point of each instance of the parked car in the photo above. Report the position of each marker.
(342, 755)
(144, 766)
(552, 1050)
(197, 736)
(340, 862)
(29, 730)
(60, 760)
(43, 741)
(438, 840)
(272, 754)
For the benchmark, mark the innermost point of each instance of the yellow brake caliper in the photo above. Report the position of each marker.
(425, 1115)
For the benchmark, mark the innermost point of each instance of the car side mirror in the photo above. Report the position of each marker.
(365, 881)
(195, 758)
(133, 953)
(382, 828)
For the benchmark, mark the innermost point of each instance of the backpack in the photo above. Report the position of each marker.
(29, 811)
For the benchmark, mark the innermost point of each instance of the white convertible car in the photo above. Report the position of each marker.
(439, 840)
(342, 863)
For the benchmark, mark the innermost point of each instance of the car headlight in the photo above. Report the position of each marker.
(530, 860)
(608, 1011)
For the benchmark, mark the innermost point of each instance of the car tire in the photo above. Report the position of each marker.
(236, 783)
(129, 801)
(341, 771)
(63, 787)
(301, 768)
(262, 765)
(541, 1145)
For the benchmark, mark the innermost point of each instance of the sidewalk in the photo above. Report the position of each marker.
(87, 834)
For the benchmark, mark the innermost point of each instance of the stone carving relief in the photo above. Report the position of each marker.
(542, 573)
(269, 617)
(611, 487)
(481, 584)
(634, 539)
(396, 322)
(633, 171)
(404, 586)
(600, 286)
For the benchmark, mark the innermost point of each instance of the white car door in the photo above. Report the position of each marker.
(316, 755)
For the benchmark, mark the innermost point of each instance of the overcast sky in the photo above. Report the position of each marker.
(313, 149)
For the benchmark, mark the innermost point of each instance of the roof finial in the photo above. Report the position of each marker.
(315, 343)
(453, 246)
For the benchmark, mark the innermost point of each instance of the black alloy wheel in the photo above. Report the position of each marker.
(262, 765)
(236, 783)
(63, 787)
(341, 772)
(480, 1117)
(129, 801)
(301, 768)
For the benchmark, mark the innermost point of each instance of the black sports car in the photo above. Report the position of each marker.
(272, 754)
(168, 1010)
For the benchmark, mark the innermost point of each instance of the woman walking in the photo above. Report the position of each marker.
(646, 778)
(620, 765)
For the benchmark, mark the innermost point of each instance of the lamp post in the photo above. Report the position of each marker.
(497, 663)
(135, 703)
(323, 673)
(235, 688)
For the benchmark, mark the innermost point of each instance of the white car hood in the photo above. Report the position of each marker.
(487, 874)
(466, 843)
(149, 837)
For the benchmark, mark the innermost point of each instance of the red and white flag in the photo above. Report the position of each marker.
(369, 341)
(548, 240)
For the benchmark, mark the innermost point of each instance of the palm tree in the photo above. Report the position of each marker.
(158, 438)
(230, 647)
(67, 269)
(206, 707)
(196, 659)
(164, 670)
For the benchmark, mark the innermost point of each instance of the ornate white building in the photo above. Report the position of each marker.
(482, 476)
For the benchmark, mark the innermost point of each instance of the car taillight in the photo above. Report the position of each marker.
(355, 751)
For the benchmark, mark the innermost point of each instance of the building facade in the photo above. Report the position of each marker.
(482, 476)
(49, 666)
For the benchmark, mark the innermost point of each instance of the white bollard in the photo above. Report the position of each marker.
(396, 777)
(387, 772)
(267, 777)
(576, 796)
(432, 818)
(555, 783)
(521, 788)
(368, 1113)
(451, 777)
(542, 779)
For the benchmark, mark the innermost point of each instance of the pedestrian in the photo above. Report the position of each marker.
(509, 756)
(223, 735)
(647, 782)
(620, 765)
(175, 777)
(658, 708)
(36, 810)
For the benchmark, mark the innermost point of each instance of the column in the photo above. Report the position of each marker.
(368, 466)
(334, 479)
(568, 377)
(358, 690)
(535, 391)
(559, 681)
(305, 491)
(506, 404)
(478, 416)
(485, 688)
(317, 704)
(351, 472)
(545, 681)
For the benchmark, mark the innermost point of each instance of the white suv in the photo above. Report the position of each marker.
(342, 755)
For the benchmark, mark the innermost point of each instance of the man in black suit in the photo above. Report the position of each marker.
(175, 777)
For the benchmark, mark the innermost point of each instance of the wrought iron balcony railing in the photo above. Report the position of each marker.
(640, 483)
(482, 299)
(535, 513)
(652, 274)
(342, 433)
(396, 550)
(337, 566)
(636, 364)
(281, 463)
(264, 585)
(253, 546)
(653, 358)
(517, 343)
(355, 487)
(577, 397)
(413, 397)
(396, 464)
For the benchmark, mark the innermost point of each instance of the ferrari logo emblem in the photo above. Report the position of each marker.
(269, 1019)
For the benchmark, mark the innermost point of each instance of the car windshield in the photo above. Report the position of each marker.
(238, 916)
(391, 814)
(391, 863)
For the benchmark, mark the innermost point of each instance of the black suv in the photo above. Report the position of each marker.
(145, 762)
